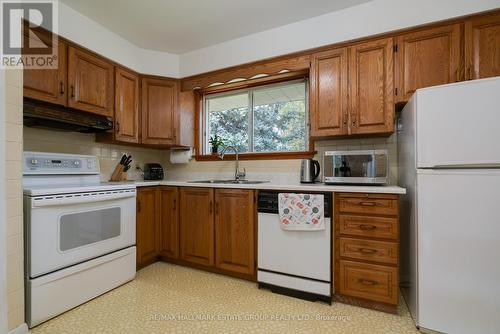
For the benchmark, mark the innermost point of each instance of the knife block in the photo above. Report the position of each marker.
(118, 174)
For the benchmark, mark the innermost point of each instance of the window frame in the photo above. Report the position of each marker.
(253, 155)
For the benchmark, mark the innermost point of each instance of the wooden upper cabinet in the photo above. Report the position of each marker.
(197, 225)
(482, 47)
(147, 229)
(371, 87)
(90, 82)
(328, 93)
(169, 222)
(426, 58)
(47, 85)
(234, 230)
(126, 106)
(159, 111)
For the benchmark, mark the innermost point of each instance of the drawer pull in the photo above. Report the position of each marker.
(367, 281)
(367, 250)
(366, 227)
(368, 203)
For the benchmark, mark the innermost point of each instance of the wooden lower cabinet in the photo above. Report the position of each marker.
(147, 227)
(197, 225)
(209, 228)
(366, 250)
(169, 222)
(234, 230)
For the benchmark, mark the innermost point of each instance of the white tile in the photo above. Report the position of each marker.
(15, 244)
(13, 113)
(15, 317)
(14, 225)
(13, 132)
(13, 95)
(14, 207)
(13, 170)
(14, 188)
(15, 273)
(13, 151)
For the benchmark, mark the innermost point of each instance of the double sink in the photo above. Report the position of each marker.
(229, 181)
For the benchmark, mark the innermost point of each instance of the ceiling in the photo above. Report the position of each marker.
(180, 26)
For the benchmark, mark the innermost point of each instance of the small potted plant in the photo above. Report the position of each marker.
(215, 141)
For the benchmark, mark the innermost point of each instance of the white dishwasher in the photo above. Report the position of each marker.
(294, 263)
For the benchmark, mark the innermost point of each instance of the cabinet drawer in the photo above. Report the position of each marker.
(375, 227)
(371, 204)
(369, 250)
(369, 281)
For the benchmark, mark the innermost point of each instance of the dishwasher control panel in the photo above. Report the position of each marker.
(268, 202)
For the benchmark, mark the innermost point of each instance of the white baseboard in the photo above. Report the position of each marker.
(21, 329)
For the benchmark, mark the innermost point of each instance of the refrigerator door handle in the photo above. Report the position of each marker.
(467, 165)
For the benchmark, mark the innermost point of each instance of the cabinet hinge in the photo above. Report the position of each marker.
(395, 48)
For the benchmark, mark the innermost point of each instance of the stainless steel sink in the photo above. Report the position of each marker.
(229, 181)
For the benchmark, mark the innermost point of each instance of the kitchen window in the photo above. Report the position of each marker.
(271, 118)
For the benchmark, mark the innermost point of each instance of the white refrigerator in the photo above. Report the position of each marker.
(449, 162)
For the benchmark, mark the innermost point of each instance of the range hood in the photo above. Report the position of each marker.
(46, 115)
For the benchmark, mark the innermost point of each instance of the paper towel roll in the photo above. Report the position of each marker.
(180, 156)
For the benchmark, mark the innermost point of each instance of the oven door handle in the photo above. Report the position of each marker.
(59, 200)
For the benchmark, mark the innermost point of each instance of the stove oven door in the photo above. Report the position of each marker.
(63, 230)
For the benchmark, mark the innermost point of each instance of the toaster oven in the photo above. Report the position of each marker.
(356, 167)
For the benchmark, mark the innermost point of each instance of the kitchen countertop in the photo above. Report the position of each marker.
(280, 186)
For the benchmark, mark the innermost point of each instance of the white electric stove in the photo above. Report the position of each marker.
(79, 233)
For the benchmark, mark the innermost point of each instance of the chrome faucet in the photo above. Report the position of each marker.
(237, 174)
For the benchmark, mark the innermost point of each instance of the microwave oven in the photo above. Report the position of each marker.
(356, 167)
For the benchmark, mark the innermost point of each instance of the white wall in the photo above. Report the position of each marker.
(90, 34)
(3, 238)
(374, 17)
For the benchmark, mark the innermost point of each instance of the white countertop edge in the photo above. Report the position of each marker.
(280, 186)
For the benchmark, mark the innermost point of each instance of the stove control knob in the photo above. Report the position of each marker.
(76, 163)
(34, 162)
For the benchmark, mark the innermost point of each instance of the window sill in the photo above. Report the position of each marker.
(258, 156)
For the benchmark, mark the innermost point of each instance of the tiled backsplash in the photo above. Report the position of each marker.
(81, 143)
(274, 170)
(389, 143)
(283, 170)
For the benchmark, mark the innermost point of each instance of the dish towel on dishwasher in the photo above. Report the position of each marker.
(301, 212)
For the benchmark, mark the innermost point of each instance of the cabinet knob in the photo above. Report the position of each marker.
(61, 88)
(117, 126)
(366, 227)
(367, 250)
(72, 91)
(367, 281)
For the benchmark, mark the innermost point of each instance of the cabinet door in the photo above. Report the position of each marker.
(126, 106)
(482, 47)
(159, 107)
(329, 103)
(427, 58)
(234, 230)
(169, 222)
(197, 225)
(90, 80)
(147, 227)
(47, 85)
(371, 87)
